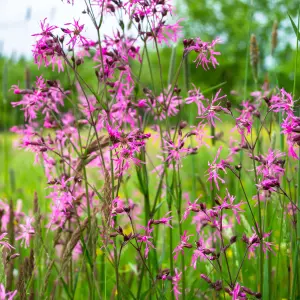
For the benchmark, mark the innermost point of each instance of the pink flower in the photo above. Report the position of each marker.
(195, 96)
(214, 168)
(282, 102)
(75, 34)
(291, 128)
(27, 231)
(183, 244)
(202, 252)
(124, 159)
(6, 295)
(269, 183)
(245, 120)
(146, 240)
(4, 243)
(165, 220)
(210, 113)
(192, 206)
(175, 281)
(47, 49)
(205, 50)
(235, 208)
(254, 242)
(201, 134)
(236, 292)
(165, 105)
(166, 32)
(176, 150)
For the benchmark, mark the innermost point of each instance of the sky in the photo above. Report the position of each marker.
(19, 19)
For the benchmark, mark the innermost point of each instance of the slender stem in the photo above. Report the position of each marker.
(240, 267)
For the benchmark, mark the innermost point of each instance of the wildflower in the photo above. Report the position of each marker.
(47, 49)
(291, 128)
(201, 134)
(237, 292)
(6, 295)
(4, 243)
(205, 50)
(165, 105)
(271, 164)
(176, 151)
(75, 34)
(165, 220)
(233, 148)
(282, 102)
(245, 120)
(27, 231)
(213, 169)
(254, 242)
(175, 281)
(210, 113)
(40, 99)
(191, 207)
(146, 240)
(228, 204)
(123, 160)
(166, 32)
(269, 183)
(195, 96)
(183, 244)
(201, 252)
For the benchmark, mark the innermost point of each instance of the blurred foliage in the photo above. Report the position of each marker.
(232, 21)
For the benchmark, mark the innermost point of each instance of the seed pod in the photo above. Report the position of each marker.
(274, 37)
(254, 56)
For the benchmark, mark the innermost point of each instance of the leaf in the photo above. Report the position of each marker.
(297, 32)
(158, 206)
(214, 87)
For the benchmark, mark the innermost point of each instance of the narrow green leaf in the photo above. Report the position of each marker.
(297, 33)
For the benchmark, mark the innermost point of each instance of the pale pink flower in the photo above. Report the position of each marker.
(27, 231)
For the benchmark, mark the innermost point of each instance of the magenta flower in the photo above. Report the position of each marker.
(214, 168)
(237, 292)
(75, 35)
(164, 106)
(6, 295)
(40, 99)
(269, 183)
(183, 244)
(148, 244)
(166, 32)
(210, 113)
(201, 134)
(195, 96)
(245, 120)
(27, 231)
(202, 252)
(205, 50)
(47, 49)
(192, 206)
(164, 220)
(124, 159)
(175, 281)
(282, 102)
(176, 150)
(291, 128)
(271, 164)
(254, 242)
(4, 243)
(235, 208)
